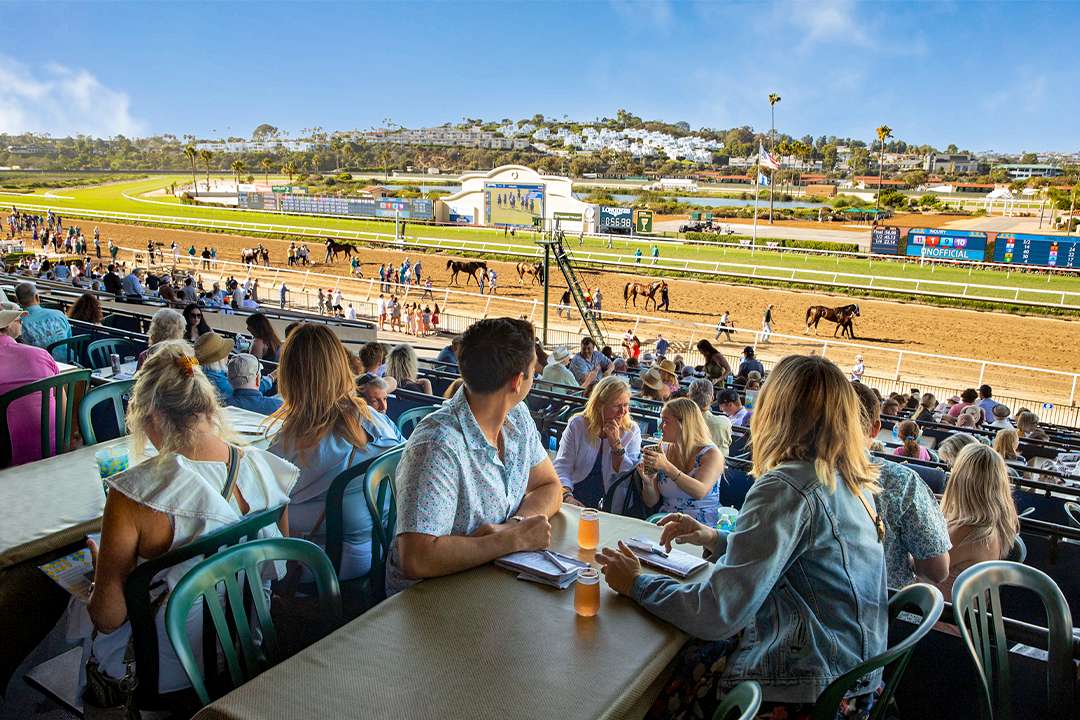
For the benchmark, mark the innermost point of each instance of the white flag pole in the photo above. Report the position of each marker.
(757, 176)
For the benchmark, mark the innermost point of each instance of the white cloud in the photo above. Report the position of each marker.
(645, 14)
(61, 101)
(827, 21)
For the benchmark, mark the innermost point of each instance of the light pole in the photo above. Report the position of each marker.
(773, 99)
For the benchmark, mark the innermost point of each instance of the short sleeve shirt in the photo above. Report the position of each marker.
(914, 525)
(43, 326)
(450, 480)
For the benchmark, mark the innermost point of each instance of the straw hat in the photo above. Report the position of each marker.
(211, 347)
(9, 316)
(559, 355)
(652, 378)
(667, 367)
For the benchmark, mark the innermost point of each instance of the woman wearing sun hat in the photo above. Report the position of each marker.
(668, 375)
(212, 351)
(557, 369)
(653, 386)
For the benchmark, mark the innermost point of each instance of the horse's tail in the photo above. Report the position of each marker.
(808, 311)
(626, 292)
(449, 264)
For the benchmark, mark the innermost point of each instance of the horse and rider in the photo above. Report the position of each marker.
(333, 247)
(843, 316)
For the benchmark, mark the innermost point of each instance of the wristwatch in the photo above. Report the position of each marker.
(619, 451)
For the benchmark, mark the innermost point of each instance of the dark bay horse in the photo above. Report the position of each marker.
(843, 317)
(333, 248)
(470, 268)
(632, 289)
(535, 270)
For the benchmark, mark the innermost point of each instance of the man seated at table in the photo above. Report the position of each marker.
(41, 326)
(245, 373)
(21, 364)
(475, 482)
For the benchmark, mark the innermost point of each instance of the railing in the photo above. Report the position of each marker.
(1033, 297)
(887, 369)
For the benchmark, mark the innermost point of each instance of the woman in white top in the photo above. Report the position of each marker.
(681, 474)
(599, 444)
(171, 500)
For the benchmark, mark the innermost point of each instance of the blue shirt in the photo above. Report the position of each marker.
(318, 467)
(988, 405)
(581, 367)
(42, 326)
(914, 525)
(253, 400)
(662, 346)
(450, 480)
(447, 355)
(133, 287)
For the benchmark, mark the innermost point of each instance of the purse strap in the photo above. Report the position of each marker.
(879, 524)
(233, 471)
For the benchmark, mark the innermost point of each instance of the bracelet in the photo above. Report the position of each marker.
(619, 451)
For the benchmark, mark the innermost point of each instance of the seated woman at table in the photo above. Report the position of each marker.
(402, 365)
(599, 444)
(86, 309)
(266, 344)
(212, 351)
(171, 499)
(196, 323)
(797, 594)
(325, 428)
(681, 474)
(167, 324)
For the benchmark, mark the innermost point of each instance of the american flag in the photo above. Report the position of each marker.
(765, 159)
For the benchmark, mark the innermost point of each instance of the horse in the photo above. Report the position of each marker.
(632, 289)
(248, 256)
(264, 255)
(333, 248)
(470, 268)
(536, 270)
(843, 317)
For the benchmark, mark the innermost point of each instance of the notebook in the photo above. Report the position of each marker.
(536, 566)
(678, 563)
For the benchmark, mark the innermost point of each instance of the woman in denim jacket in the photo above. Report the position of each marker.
(797, 594)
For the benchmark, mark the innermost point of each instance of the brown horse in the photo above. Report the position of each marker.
(534, 270)
(632, 289)
(470, 268)
(843, 317)
(333, 247)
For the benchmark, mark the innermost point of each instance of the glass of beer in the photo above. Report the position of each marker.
(588, 531)
(587, 592)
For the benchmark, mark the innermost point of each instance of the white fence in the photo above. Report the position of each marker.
(1034, 297)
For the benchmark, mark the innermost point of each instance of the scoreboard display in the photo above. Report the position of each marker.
(885, 240)
(1043, 250)
(419, 208)
(946, 244)
(315, 205)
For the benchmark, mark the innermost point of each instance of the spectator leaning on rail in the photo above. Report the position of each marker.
(702, 391)
(599, 444)
(41, 327)
(797, 595)
(475, 482)
(171, 500)
(21, 364)
(245, 372)
(916, 537)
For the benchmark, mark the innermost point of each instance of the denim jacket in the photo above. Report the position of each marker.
(802, 579)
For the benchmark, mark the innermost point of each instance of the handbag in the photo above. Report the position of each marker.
(624, 497)
(109, 698)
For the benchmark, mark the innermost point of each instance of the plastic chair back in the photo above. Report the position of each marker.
(382, 504)
(1018, 551)
(978, 612)
(98, 352)
(114, 392)
(238, 569)
(74, 349)
(408, 420)
(1072, 512)
(57, 395)
(740, 702)
(139, 603)
(920, 597)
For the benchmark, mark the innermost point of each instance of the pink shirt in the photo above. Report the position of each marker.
(924, 454)
(19, 365)
(958, 408)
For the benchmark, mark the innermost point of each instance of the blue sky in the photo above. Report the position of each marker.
(983, 75)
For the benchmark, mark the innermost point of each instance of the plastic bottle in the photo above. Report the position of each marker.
(552, 444)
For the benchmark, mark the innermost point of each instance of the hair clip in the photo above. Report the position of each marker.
(187, 364)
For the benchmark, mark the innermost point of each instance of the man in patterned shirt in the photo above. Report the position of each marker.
(916, 536)
(475, 482)
(41, 326)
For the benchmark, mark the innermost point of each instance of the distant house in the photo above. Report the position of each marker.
(1023, 171)
(954, 163)
(974, 187)
(871, 181)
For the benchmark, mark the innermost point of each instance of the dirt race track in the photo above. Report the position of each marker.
(891, 326)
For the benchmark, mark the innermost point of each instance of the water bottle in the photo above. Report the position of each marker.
(730, 380)
(896, 431)
(552, 444)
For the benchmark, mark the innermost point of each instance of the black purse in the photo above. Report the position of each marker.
(624, 497)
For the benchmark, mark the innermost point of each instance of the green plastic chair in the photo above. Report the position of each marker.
(74, 349)
(978, 613)
(114, 392)
(740, 703)
(98, 352)
(924, 599)
(655, 517)
(1018, 551)
(1072, 512)
(56, 392)
(379, 493)
(359, 593)
(408, 420)
(238, 569)
(140, 604)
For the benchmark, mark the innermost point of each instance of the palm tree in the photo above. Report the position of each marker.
(237, 168)
(191, 154)
(773, 99)
(265, 165)
(883, 133)
(206, 156)
(289, 169)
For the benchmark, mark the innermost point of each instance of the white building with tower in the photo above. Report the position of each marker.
(511, 196)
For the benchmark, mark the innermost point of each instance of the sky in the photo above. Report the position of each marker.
(983, 75)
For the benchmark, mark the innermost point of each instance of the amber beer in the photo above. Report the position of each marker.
(587, 593)
(588, 530)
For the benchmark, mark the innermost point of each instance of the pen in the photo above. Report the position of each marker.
(556, 561)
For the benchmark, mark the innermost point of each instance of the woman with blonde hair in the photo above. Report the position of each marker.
(681, 474)
(167, 324)
(949, 448)
(796, 597)
(198, 482)
(403, 367)
(599, 444)
(979, 510)
(324, 428)
(925, 411)
(1007, 445)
